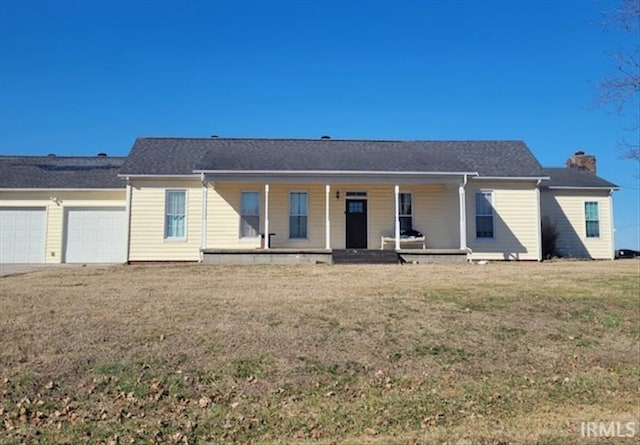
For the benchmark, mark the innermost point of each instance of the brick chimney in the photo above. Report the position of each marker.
(582, 161)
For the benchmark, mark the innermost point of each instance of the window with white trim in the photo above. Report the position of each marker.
(249, 214)
(592, 219)
(484, 215)
(405, 212)
(298, 215)
(175, 215)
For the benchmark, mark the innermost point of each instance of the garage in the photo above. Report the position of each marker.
(22, 234)
(95, 235)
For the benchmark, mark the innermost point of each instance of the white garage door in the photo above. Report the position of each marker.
(95, 235)
(22, 235)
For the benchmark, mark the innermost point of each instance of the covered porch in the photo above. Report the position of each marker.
(295, 218)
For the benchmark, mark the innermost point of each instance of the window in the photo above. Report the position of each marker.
(405, 213)
(298, 215)
(592, 219)
(174, 221)
(484, 214)
(249, 215)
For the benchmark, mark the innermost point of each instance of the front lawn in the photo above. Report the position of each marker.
(495, 354)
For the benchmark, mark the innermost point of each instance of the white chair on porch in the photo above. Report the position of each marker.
(405, 240)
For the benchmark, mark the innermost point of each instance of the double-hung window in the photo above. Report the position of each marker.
(592, 219)
(249, 215)
(175, 215)
(484, 215)
(298, 215)
(405, 213)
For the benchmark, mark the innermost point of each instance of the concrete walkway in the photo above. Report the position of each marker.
(20, 269)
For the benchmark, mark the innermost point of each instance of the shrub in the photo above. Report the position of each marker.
(549, 238)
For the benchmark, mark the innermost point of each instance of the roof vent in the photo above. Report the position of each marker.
(52, 155)
(325, 137)
(102, 155)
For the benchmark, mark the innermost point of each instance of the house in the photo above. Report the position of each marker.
(578, 204)
(299, 200)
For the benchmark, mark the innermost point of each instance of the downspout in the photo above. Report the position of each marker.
(203, 228)
(266, 217)
(539, 220)
(611, 225)
(128, 198)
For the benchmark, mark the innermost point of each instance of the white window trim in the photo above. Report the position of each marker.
(290, 215)
(353, 194)
(584, 216)
(493, 216)
(176, 239)
(249, 239)
(400, 215)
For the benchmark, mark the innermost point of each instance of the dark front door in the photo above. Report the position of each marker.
(356, 223)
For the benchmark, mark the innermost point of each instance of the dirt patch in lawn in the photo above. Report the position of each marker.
(501, 353)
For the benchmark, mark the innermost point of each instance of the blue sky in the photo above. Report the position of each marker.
(82, 77)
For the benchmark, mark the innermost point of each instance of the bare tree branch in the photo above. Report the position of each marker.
(621, 90)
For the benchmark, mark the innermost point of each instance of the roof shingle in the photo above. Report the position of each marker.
(180, 156)
(52, 172)
(574, 178)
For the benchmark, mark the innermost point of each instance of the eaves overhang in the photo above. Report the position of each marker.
(321, 176)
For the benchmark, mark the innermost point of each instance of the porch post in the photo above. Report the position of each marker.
(397, 210)
(463, 215)
(327, 234)
(266, 216)
(203, 227)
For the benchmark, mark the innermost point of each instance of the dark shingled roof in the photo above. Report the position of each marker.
(181, 156)
(574, 177)
(34, 172)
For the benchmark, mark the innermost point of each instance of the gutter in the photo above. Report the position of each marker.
(568, 187)
(514, 178)
(188, 176)
(333, 172)
(61, 190)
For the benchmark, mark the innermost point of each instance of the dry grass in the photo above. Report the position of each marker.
(503, 353)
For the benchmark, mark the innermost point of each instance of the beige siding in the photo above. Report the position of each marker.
(515, 219)
(55, 201)
(435, 214)
(279, 215)
(565, 208)
(380, 212)
(223, 215)
(147, 240)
